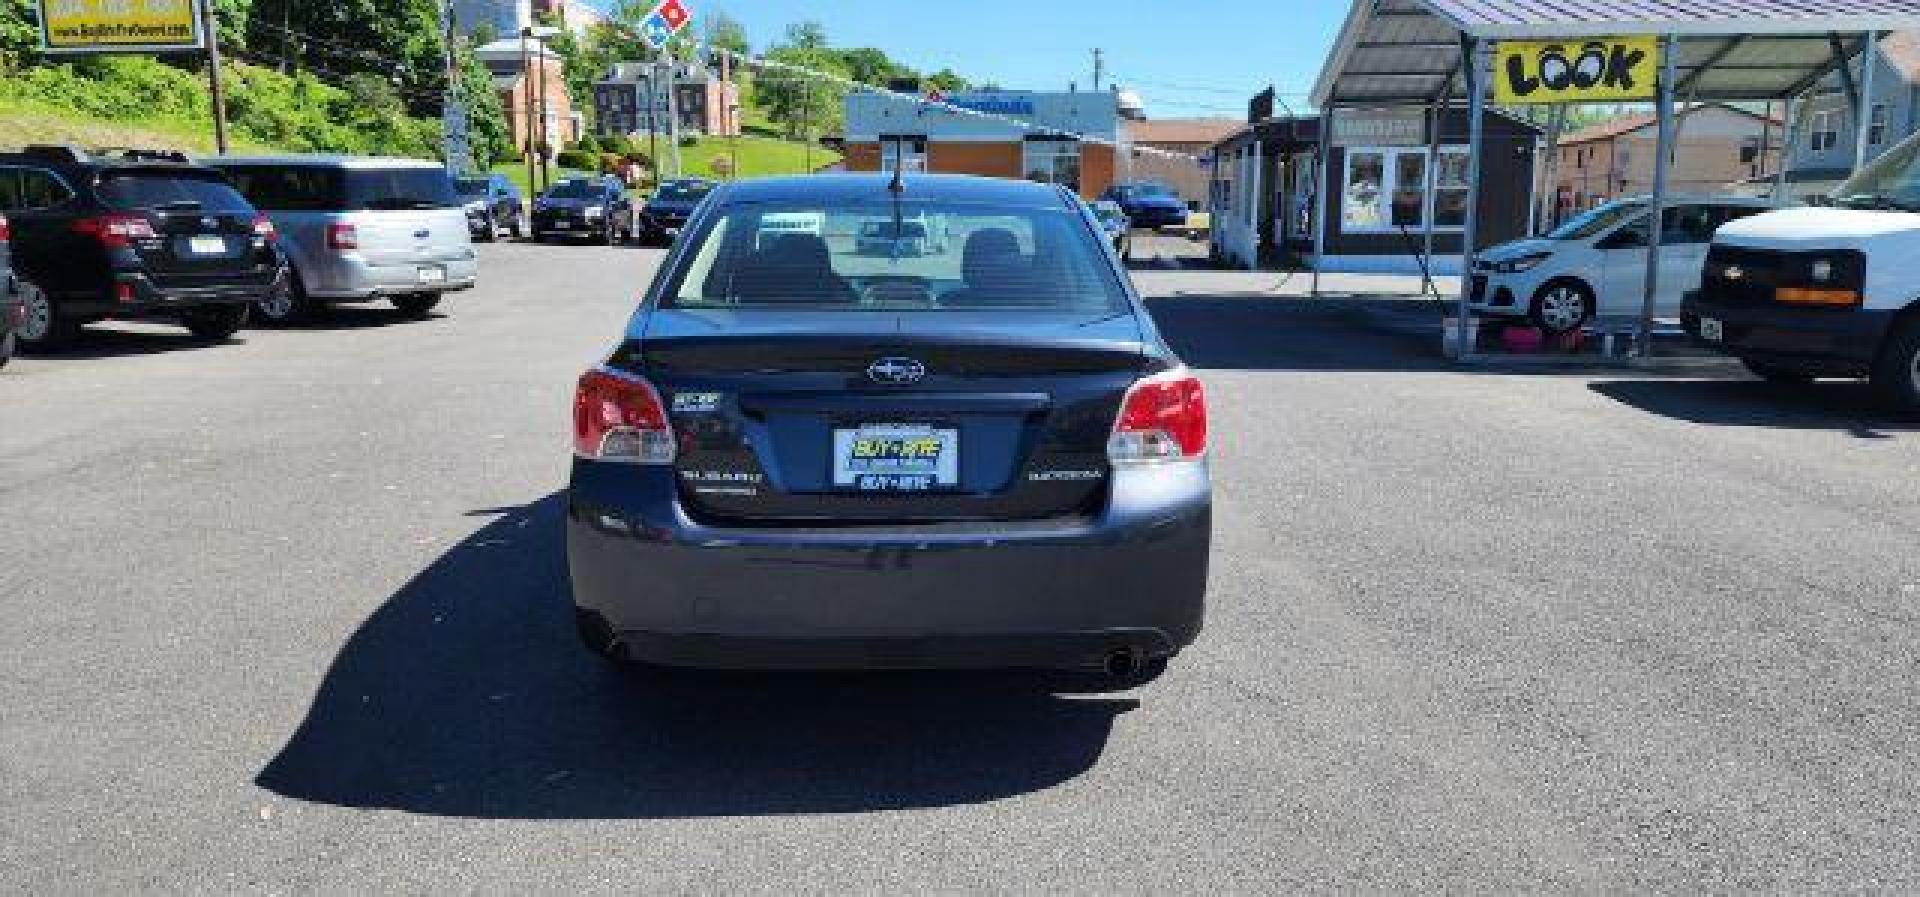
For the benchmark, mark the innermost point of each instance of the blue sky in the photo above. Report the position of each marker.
(1187, 59)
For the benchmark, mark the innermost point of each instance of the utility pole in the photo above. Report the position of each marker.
(1099, 67)
(546, 176)
(526, 106)
(458, 148)
(212, 35)
(673, 111)
(653, 121)
(806, 121)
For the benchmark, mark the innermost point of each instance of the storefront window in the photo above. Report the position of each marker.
(1366, 177)
(1386, 190)
(907, 151)
(1450, 188)
(1052, 161)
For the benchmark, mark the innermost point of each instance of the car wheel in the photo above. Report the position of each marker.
(490, 231)
(416, 305)
(1561, 306)
(517, 227)
(1896, 373)
(1773, 373)
(6, 348)
(286, 306)
(215, 323)
(41, 326)
(597, 635)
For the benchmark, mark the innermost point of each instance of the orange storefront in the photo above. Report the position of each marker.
(1065, 138)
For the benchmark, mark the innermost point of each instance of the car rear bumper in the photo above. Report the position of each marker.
(1832, 341)
(347, 278)
(142, 296)
(1055, 594)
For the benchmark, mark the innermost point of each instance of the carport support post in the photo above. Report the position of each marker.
(1253, 208)
(1789, 132)
(1656, 207)
(1321, 199)
(1863, 116)
(1436, 112)
(1473, 57)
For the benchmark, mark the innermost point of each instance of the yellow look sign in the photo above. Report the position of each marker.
(115, 26)
(1587, 70)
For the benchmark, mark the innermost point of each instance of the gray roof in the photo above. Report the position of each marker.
(327, 160)
(1393, 52)
(868, 187)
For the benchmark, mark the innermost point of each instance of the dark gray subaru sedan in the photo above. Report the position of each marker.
(806, 455)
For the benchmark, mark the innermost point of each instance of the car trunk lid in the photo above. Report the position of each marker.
(857, 417)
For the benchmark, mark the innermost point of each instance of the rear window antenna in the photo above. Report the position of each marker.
(898, 185)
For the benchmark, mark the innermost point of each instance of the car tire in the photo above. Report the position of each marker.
(1561, 306)
(596, 635)
(1896, 373)
(215, 323)
(42, 326)
(517, 227)
(1778, 374)
(491, 231)
(288, 307)
(7, 344)
(416, 305)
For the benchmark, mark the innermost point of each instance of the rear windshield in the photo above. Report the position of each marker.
(950, 256)
(203, 191)
(575, 190)
(1595, 220)
(309, 188)
(682, 192)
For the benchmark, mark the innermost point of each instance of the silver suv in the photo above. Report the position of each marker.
(357, 229)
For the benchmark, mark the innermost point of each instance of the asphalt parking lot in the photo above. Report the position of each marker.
(290, 614)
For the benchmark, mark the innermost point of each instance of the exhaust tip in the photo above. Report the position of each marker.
(1124, 662)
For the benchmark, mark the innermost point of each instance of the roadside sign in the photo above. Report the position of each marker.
(120, 26)
(1589, 70)
(666, 20)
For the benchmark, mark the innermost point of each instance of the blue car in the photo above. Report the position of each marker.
(801, 456)
(1148, 205)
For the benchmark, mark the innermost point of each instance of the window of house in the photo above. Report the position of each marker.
(1877, 125)
(1386, 189)
(1749, 150)
(1051, 161)
(908, 151)
(1823, 132)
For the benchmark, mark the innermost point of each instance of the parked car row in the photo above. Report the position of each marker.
(1795, 294)
(132, 234)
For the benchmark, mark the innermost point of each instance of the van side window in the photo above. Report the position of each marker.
(289, 189)
(9, 189)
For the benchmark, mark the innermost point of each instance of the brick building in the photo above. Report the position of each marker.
(510, 70)
(632, 99)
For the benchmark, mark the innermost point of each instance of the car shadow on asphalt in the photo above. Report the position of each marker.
(1846, 407)
(352, 317)
(467, 694)
(108, 342)
(1282, 333)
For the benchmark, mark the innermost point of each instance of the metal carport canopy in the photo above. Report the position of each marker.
(1397, 52)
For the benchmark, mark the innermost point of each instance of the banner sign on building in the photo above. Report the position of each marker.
(119, 26)
(1379, 127)
(1598, 70)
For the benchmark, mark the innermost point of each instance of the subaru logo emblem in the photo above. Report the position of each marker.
(422, 234)
(1735, 272)
(896, 371)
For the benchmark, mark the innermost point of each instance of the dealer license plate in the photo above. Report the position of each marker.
(1712, 330)
(896, 458)
(432, 274)
(207, 245)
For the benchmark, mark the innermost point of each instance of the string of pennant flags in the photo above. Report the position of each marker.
(668, 19)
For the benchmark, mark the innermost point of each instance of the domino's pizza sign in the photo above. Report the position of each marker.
(666, 20)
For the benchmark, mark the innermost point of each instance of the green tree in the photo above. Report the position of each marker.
(948, 82)
(869, 65)
(19, 34)
(397, 40)
(803, 104)
(725, 32)
(486, 117)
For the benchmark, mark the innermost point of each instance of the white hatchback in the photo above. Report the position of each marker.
(1596, 263)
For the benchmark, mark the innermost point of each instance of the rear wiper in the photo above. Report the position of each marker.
(180, 205)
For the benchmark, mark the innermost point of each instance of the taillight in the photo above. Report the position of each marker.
(6, 230)
(617, 417)
(1163, 418)
(264, 229)
(116, 231)
(342, 237)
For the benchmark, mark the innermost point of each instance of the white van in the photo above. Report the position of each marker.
(1827, 291)
(1596, 263)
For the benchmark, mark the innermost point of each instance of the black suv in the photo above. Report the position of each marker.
(131, 233)
(492, 202)
(596, 208)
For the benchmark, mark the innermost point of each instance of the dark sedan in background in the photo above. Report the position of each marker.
(492, 203)
(805, 457)
(1149, 205)
(666, 212)
(11, 310)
